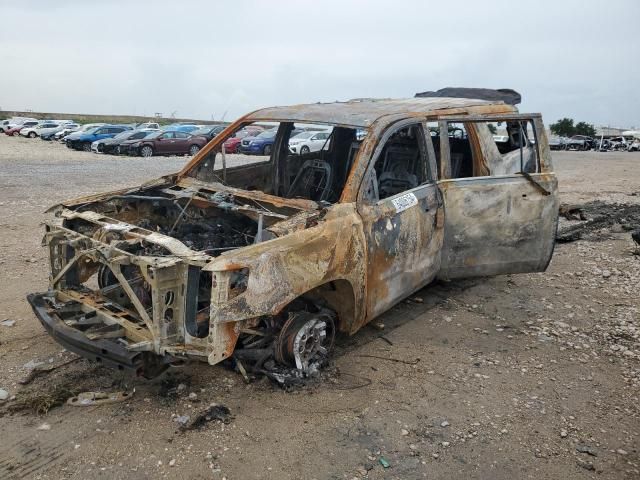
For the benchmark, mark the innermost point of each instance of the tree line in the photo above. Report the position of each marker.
(565, 128)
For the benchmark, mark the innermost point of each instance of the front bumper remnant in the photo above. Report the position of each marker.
(105, 352)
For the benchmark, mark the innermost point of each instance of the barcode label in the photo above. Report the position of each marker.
(405, 201)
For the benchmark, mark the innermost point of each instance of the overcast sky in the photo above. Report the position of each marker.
(201, 58)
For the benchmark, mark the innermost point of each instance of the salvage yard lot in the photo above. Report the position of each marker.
(520, 376)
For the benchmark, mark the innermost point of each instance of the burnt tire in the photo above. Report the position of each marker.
(193, 149)
(146, 151)
(266, 150)
(304, 150)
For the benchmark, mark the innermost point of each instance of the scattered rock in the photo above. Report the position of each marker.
(3, 395)
(404, 432)
(621, 451)
(586, 465)
(44, 426)
(582, 448)
(563, 433)
(444, 424)
(172, 462)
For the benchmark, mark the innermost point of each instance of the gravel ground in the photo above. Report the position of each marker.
(519, 376)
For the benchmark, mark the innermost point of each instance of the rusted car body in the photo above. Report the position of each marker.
(265, 261)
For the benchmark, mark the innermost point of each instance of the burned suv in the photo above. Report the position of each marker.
(263, 259)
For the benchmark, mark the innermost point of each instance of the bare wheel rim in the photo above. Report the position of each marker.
(306, 340)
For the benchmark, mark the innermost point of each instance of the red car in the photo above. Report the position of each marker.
(164, 143)
(232, 144)
(16, 130)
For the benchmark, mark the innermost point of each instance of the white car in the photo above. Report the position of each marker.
(148, 126)
(68, 128)
(42, 129)
(306, 142)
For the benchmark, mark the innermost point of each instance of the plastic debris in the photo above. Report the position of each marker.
(87, 399)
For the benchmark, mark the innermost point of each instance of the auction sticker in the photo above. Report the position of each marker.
(405, 201)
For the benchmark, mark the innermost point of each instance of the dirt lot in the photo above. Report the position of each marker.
(523, 376)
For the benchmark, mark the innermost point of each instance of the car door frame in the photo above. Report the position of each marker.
(498, 224)
(393, 225)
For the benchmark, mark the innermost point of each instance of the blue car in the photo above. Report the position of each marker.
(84, 141)
(262, 144)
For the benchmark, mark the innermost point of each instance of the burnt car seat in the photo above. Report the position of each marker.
(312, 182)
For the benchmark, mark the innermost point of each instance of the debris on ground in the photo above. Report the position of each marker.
(8, 323)
(587, 449)
(174, 385)
(44, 426)
(41, 403)
(214, 412)
(3, 395)
(182, 420)
(88, 399)
(595, 217)
(40, 369)
(383, 461)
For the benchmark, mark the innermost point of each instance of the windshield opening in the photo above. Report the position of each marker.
(290, 160)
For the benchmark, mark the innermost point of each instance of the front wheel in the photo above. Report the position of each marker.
(146, 151)
(266, 150)
(304, 150)
(193, 150)
(32, 135)
(117, 150)
(86, 146)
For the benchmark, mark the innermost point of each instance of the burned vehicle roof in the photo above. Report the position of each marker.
(363, 113)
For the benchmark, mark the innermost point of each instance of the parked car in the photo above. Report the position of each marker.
(44, 128)
(262, 144)
(165, 143)
(87, 127)
(266, 266)
(307, 142)
(557, 143)
(580, 142)
(634, 145)
(16, 130)
(66, 127)
(232, 144)
(14, 122)
(112, 145)
(182, 127)
(85, 139)
(209, 131)
(148, 126)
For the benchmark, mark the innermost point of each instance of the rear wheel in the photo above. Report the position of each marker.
(33, 134)
(266, 150)
(146, 151)
(193, 149)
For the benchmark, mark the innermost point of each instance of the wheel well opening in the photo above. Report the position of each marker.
(338, 295)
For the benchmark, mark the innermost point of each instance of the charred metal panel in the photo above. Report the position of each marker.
(497, 225)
